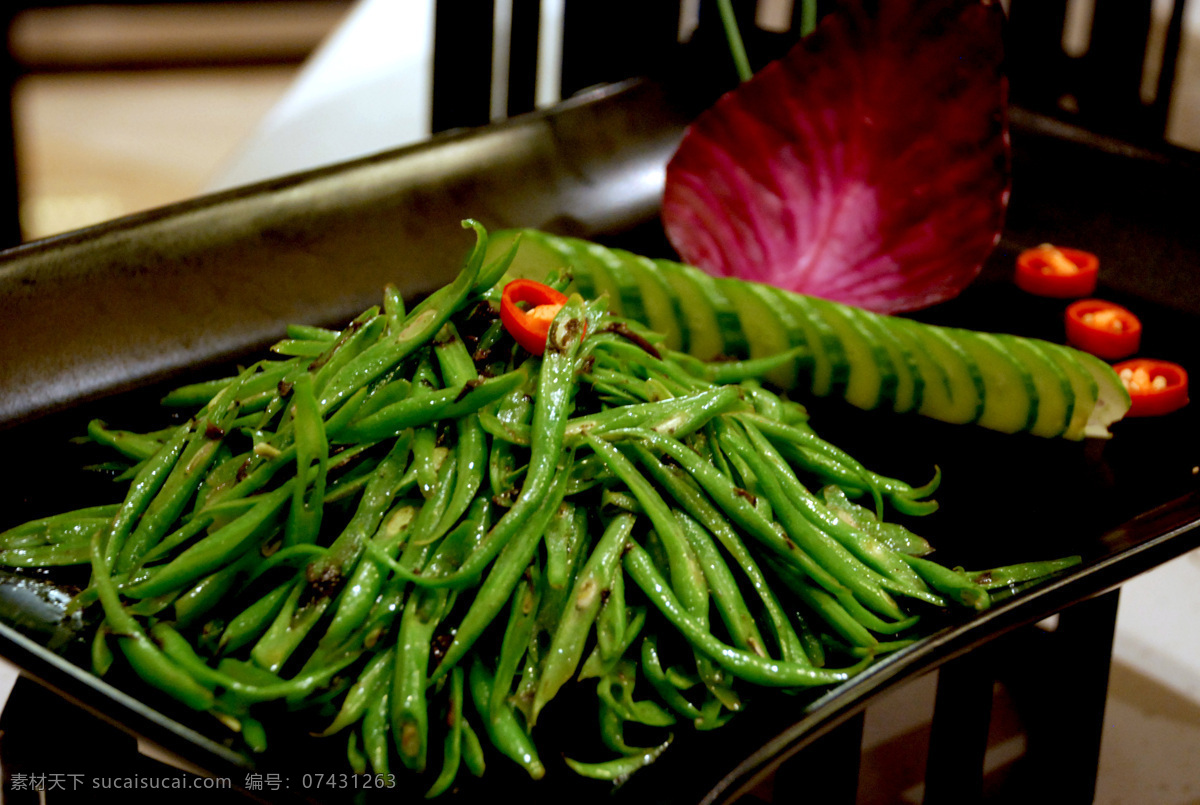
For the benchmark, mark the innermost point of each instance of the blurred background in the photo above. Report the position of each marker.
(120, 108)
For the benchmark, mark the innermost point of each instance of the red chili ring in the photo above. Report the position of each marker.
(1102, 328)
(530, 326)
(1145, 400)
(1036, 273)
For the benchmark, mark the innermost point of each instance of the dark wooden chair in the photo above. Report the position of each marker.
(1122, 83)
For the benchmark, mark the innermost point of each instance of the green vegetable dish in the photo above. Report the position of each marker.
(422, 535)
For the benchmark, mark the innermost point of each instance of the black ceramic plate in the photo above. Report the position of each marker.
(97, 323)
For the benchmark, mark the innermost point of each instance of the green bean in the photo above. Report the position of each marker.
(426, 456)
(207, 593)
(556, 387)
(375, 726)
(308, 332)
(522, 622)
(619, 768)
(236, 690)
(742, 664)
(503, 576)
(410, 564)
(355, 756)
(471, 454)
(216, 549)
(255, 619)
(419, 326)
(752, 368)
(676, 416)
(732, 501)
(192, 528)
(393, 309)
(566, 647)
(849, 533)
(894, 535)
(950, 583)
(597, 666)
(554, 604)
(702, 510)
(613, 616)
(503, 727)
(102, 653)
(142, 491)
(363, 333)
(827, 608)
(1010, 575)
(563, 545)
(147, 660)
(408, 707)
(129, 444)
(616, 692)
(472, 750)
(47, 555)
(326, 574)
(45, 528)
(835, 558)
(686, 575)
(296, 347)
(449, 403)
(452, 752)
(652, 669)
(493, 272)
(805, 449)
(312, 447)
(734, 612)
(178, 488)
(371, 680)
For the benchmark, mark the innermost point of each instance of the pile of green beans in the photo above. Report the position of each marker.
(421, 534)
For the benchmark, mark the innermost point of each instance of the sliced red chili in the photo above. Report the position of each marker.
(1102, 328)
(1059, 273)
(527, 308)
(1155, 387)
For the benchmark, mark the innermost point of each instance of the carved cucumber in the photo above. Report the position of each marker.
(1003, 382)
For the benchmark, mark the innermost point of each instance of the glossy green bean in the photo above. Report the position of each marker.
(862, 581)
(498, 585)
(556, 387)
(951, 583)
(653, 671)
(312, 467)
(522, 622)
(738, 620)
(145, 486)
(136, 446)
(376, 726)
(420, 325)
(503, 727)
(249, 624)
(449, 403)
(143, 655)
(216, 549)
(178, 488)
(453, 743)
(698, 506)
(567, 644)
(618, 768)
(1011, 575)
(408, 705)
(234, 689)
(742, 664)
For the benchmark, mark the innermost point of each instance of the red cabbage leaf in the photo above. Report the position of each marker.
(870, 165)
